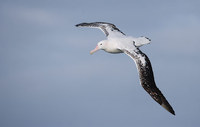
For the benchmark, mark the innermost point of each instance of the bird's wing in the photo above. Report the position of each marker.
(147, 78)
(110, 30)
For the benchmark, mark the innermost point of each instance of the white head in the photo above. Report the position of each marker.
(100, 45)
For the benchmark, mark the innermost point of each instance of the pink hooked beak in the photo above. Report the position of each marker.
(94, 50)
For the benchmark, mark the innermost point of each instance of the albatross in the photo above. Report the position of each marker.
(118, 42)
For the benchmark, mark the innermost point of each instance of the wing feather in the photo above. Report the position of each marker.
(147, 78)
(110, 30)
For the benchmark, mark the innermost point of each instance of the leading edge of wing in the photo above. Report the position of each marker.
(108, 28)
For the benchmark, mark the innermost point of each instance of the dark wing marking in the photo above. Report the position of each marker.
(147, 79)
(107, 28)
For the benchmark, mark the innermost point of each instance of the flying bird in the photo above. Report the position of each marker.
(118, 42)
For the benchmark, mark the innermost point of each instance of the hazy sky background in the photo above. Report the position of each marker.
(49, 79)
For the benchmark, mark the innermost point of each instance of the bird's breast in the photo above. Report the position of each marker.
(113, 50)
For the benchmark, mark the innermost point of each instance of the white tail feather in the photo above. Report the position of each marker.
(140, 41)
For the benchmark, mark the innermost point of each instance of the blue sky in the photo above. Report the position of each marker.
(49, 79)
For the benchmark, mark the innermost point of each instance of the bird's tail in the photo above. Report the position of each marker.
(140, 41)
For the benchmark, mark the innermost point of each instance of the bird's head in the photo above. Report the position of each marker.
(100, 45)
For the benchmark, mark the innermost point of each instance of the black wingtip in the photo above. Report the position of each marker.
(172, 112)
(168, 107)
(81, 24)
(77, 25)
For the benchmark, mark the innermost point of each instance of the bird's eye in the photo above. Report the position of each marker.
(101, 44)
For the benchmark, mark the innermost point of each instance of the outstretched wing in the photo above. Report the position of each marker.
(110, 30)
(147, 78)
